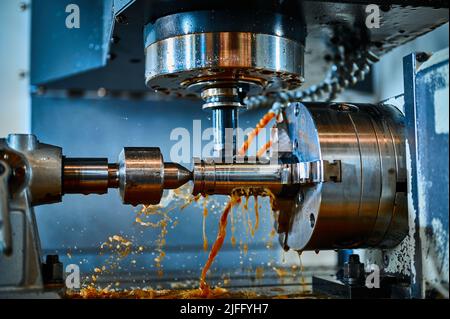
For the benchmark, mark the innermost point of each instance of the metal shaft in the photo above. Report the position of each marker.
(141, 175)
(224, 123)
(221, 178)
(89, 175)
(224, 103)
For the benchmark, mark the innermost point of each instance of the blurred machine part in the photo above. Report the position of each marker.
(341, 172)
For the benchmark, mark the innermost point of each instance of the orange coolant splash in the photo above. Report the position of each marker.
(110, 293)
(262, 151)
(122, 247)
(205, 214)
(251, 136)
(235, 199)
(204, 287)
(255, 198)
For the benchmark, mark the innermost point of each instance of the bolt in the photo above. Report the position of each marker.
(23, 74)
(422, 56)
(23, 6)
(354, 273)
(52, 270)
(122, 19)
(312, 220)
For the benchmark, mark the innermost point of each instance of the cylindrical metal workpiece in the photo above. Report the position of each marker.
(113, 175)
(87, 176)
(221, 178)
(141, 175)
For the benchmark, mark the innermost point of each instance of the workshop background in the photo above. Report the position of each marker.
(86, 123)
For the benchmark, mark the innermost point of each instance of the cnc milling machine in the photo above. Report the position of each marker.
(345, 175)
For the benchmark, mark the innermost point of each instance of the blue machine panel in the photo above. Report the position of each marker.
(60, 51)
(427, 113)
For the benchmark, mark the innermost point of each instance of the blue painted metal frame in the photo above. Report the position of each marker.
(59, 52)
(429, 159)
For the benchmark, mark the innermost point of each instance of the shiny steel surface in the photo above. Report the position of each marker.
(175, 175)
(216, 17)
(35, 174)
(365, 209)
(85, 175)
(44, 167)
(113, 175)
(95, 175)
(176, 63)
(225, 124)
(217, 178)
(212, 177)
(32, 173)
(222, 95)
(141, 175)
(224, 101)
